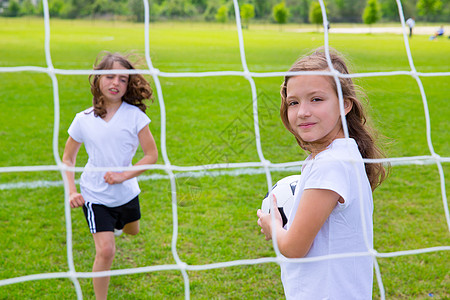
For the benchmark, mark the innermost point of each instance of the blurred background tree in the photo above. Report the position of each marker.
(247, 13)
(372, 12)
(345, 11)
(280, 13)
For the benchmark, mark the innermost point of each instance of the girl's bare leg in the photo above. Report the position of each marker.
(105, 248)
(131, 228)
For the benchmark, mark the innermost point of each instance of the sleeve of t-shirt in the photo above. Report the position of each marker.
(75, 129)
(142, 120)
(330, 175)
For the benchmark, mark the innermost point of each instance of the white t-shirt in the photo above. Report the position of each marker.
(108, 144)
(410, 22)
(342, 232)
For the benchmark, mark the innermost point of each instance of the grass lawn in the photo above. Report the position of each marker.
(209, 121)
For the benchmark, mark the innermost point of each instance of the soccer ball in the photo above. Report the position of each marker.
(284, 192)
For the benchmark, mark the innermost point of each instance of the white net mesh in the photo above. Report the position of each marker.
(261, 166)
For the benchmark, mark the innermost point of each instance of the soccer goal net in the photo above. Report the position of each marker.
(171, 171)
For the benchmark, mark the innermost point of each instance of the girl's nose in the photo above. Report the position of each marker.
(116, 80)
(303, 110)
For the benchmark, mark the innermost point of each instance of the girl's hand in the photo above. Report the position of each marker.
(265, 220)
(114, 177)
(76, 200)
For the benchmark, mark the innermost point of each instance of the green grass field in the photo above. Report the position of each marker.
(209, 121)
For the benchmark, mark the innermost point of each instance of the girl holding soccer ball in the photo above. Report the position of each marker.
(335, 186)
(111, 131)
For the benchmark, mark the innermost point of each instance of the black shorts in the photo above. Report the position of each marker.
(103, 218)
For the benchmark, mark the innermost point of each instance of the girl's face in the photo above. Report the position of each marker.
(114, 86)
(313, 110)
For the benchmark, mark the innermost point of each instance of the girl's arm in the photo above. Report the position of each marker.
(315, 207)
(148, 145)
(70, 158)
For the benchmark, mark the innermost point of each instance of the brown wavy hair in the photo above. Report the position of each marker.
(356, 118)
(138, 88)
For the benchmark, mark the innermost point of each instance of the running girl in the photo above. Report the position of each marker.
(111, 131)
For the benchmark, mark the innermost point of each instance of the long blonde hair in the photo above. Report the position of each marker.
(358, 129)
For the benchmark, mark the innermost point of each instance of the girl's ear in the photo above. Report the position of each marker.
(347, 106)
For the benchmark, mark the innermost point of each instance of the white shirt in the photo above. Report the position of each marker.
(108, 144)
(342, 232)
(410, 22)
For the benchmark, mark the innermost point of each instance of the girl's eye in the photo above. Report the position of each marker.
(315, 99)
(292, 103)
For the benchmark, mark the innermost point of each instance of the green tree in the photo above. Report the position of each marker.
(54, 7)
(247, 12)
(27, 8)
(101, 7)
(429, 9)
(13, 9)
(315, 14)
(68, 11)
(303, 10)
(262, 8)
(211, 10)
(200, 5)
(178, 8)
(389, 10)
(280, 13)
(348, 10)
(372, 12)
(222, 14)
(136, 8)
(80, 8)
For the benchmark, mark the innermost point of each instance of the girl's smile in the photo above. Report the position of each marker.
(306, 125)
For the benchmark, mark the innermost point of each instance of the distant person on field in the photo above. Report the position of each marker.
(111, 130)
(334, 190)
(438, 33)
(411, 23)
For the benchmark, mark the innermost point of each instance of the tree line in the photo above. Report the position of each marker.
(292, 11)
